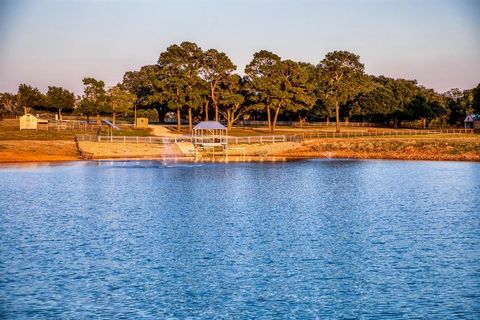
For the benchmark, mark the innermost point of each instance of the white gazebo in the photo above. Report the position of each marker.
(210, 137)
(209, 134)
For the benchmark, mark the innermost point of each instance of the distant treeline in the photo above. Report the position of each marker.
(202, 85)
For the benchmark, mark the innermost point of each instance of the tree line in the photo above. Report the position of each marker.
(203, 85)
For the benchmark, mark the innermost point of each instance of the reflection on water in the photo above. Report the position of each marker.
(305, 239)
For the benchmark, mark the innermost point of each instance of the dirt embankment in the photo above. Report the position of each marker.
(32, 150)
(458, 149)
(105, 150)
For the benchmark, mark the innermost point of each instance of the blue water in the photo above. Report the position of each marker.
(311, 239)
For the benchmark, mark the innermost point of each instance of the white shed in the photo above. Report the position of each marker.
(28, 121)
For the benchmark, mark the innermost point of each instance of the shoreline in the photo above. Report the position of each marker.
(272, 159)
(443, 148)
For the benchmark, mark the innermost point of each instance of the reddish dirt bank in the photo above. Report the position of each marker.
(456, 149)
(37, 151)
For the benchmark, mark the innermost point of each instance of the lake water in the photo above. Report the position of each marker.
(308, 239)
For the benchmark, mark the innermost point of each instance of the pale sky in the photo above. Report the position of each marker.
(55, 42)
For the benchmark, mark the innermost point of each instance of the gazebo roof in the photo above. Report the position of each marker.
(208, 125)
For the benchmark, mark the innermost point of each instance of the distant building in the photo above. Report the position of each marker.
(141, 123)
(170, 117)
(28, 122)
(472, 121)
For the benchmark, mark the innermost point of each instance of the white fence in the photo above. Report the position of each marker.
(309, 124)
(69, 125)
(166, 140)
(380, 133)
(274, 138)
(132, 139)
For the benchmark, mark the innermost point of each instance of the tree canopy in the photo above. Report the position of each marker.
(341, 74)
(191, 81)
(60, 99)
(29, 97)
(216, 69)
(94, 100)
(119, 100)
(8, 104)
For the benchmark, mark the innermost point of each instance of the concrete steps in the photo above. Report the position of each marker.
(186, 148)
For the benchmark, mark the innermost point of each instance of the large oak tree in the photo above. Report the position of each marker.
(180, 64)
(94, 100)
(119, 100)
(278, 85)
(29, 97)
(60, 99)
(216, 68)
(341, 74)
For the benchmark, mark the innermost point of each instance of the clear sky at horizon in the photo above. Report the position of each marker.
(54, 42)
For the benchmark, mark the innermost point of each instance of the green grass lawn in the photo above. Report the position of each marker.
(9, 130)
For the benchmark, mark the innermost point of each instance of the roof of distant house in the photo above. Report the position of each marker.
(472, 117)
(209, 125)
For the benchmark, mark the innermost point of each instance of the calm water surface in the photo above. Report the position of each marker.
(313, 239)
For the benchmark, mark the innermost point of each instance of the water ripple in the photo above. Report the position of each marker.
(307, 240)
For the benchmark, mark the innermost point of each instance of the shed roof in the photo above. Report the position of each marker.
(472, 117)
(209, 125)
(28, 115)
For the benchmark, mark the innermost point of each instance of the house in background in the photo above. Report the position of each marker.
(472, 121)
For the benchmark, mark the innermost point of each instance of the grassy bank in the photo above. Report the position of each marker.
(9, 130)
(442, 147)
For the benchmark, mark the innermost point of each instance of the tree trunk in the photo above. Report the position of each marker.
(135, 116)
(60, 114)
(113, 117)
(229, 120)
(161, 114)
(88, 118)
(337, 115)
(277, 110)
(179, 120)
(214, 101)
(328, 121)
(206, 110)
(190, 121)
(98, 119)
(301, 121)
(424, 123)
(269, 119)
